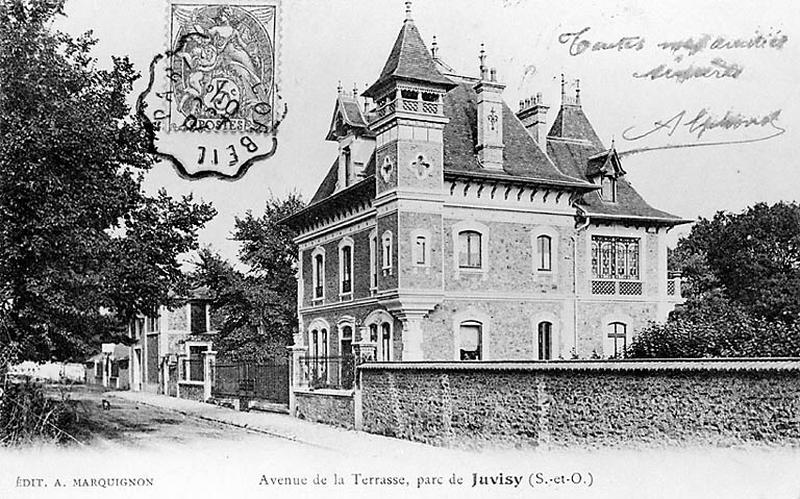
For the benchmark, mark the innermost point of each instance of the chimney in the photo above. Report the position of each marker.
(490, 117)
(533, 114)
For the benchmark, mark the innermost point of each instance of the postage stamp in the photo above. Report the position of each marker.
(219, 105)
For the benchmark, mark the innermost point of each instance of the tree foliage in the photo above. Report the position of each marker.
(82, 247)
(256, 308)
(742, 283)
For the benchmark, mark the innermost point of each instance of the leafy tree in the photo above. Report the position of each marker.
(82, 248)
(256, 308)
(742, 286)
(751, 258)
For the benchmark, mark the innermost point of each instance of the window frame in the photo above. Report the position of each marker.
(374, 258)
(611, 337)
(317, 280)
(553, 235)
(348, 244)
(472, 316)
(480, 349)
(547, 352)
(416, 235)
(483, 231)
(387, 258)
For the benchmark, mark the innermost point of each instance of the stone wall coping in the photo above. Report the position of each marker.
(715, 364)
(324, 392)
(194, 383)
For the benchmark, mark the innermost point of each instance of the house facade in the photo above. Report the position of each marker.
(451, 227)
(170, 347)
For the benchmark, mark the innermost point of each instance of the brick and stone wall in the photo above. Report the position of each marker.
(585, 404)
(328, 408)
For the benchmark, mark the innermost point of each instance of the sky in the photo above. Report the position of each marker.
(529, 42)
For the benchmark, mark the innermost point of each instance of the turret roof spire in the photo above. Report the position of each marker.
(409, 60)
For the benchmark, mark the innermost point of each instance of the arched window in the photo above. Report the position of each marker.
(545, 340)
(470, 341)
(469, 249)
(545, 259)
(385, 350)
(616, 340)
(318, 273)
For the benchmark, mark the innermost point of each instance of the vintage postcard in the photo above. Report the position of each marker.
(474, 248)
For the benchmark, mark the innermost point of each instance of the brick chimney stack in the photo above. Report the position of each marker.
(533, 114)
(490, 117)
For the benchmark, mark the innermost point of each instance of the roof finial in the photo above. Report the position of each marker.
(434, 47)
(339, 89)
(563, 91)
(612, 142)
(355, 89)
(482, 58)
(408, 11)
(578, 91)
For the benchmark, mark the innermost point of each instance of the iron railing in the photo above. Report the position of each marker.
(268, 381)
(328, 372)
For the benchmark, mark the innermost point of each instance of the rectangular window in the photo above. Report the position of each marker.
(198, 318)
(373, 246)
(615, 258)
(419, 250)
(348, 168)
(608, 189)
(347, 269)
(469, 255)
(386, 342)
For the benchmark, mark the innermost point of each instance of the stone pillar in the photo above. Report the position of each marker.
(296, 376)
(209, 359)
(412, 338)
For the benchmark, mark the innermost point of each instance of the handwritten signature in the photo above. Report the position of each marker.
(703, 122)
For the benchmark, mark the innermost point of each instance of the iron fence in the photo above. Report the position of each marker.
(328, 372)
(268, 381)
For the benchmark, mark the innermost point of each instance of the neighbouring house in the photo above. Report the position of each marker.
(109, 368)
(450, 227)
(171, 348)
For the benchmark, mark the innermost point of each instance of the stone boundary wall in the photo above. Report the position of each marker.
(324, 406)
(585, 404)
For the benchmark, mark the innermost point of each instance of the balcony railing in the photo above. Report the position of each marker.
(616, 287)
(674, 287)
(328, 372)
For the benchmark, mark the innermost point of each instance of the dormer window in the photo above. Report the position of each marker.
(608, 189)
(348, 165)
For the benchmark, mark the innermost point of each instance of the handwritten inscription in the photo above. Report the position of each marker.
(694, 45)
(718, 68)
(578, 45)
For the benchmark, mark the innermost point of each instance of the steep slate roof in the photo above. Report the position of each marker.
(574, 146)
(409, 60)
(328, 185)
(521, 156)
